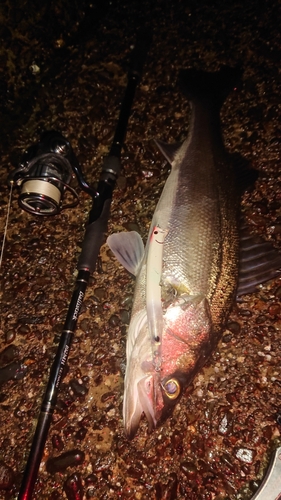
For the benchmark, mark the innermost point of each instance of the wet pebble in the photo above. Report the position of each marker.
(227, 338)
(61, 407)
(189, 469)
(245, 455)
(234, 327)
(95, 311)
(278, 418)
(79, 389)
(57, 442)
(55, 495)
(106, 305)
(10, 336)
(276, 229)
(31, 320)
(254, 485)
(225, 424)
(9, 354)
(73, 487)
(81, 433)
(229, 488)
(107, 396)
(149, 173)
(131, 226)
(245, 313)
(113, 320)
(268, 432)
(135, 471)
(261, 207)
(14, 370)
(69, 431)
(274, 310)
(122, 182)
(127, 301)
(176, 439)
(91, 493)
(257, 220)
(261, 319)
(98, 380)
(91, 480)
(167, 491)
(102, 463)
(62, 462)
(227, 459)
(23, 330)
(125, 316)
(100, 293)
(85, 325)
(6, 476)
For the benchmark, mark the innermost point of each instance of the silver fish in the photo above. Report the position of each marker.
(187, 275)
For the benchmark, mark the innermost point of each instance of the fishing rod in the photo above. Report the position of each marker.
(49, 202)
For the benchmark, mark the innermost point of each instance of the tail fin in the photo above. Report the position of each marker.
(210, 88)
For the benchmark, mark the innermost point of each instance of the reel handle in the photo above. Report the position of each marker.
(99, 215)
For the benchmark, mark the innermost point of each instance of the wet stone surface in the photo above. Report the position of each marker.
(63, 67)
(6, 477)
(62, 462)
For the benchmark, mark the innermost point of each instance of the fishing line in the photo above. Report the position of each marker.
(6, 224)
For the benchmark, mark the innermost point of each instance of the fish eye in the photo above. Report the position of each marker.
(172, 388)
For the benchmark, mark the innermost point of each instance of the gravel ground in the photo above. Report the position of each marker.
(63, 66)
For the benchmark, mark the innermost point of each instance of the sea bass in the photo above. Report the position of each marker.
(187, 275)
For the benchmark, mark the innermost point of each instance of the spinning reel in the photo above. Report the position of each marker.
(44, 175)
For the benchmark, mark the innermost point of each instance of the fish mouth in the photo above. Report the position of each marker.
(152, 398)
(137, 401)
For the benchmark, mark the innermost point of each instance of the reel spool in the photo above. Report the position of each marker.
(44, 175)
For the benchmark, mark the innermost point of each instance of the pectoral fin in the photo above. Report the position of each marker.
(128, 249)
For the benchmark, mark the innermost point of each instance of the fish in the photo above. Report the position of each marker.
(187, 274)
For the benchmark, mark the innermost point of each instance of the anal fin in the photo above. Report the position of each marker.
(259, 262)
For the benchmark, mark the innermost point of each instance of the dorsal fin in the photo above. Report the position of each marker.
(169, 151)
